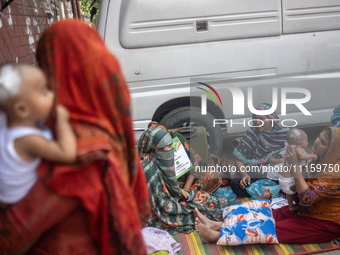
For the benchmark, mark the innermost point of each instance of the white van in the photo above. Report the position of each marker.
(166, 46)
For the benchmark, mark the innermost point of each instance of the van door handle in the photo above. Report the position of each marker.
(201, 26)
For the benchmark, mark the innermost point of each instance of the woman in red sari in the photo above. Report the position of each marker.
(99, 204)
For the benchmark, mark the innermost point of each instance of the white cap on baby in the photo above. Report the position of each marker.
(10, 83)
(294, 134)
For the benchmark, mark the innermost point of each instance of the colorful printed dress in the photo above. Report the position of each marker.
(318, 216)
(167, 212)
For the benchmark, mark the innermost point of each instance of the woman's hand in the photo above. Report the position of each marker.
(274, 160)
(185, 194)
(291, 156)
(198, 200)
(293, 160)
(62, 114)
(272, 157)
(245, 181)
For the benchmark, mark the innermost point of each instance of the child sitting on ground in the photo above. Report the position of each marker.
(298, 139)
(26, 102)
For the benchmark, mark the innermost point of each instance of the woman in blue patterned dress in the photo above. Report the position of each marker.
(259, 147)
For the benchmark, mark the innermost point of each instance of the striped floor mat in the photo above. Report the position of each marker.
(193, 244)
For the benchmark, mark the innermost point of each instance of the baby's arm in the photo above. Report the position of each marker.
(273, 160)
(304, 156)
(189, 181)
(61, 150)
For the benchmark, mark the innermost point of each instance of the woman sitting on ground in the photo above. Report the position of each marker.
(318, 215)
(197, 180)
(259, 147)
(167, 211)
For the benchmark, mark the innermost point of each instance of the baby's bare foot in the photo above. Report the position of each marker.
(208, 235)
(266, 194)
(213, 225)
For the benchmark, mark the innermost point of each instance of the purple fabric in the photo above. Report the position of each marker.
(308, 197)
(159, 240)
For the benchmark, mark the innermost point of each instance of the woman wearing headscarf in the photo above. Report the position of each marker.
(99, 204)
(259, 147)
(197, 181)
(168, 212)
(317, 218)
(335, 118)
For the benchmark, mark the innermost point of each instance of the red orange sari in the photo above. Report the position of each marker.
(318, 217)
(88, 81)
(107, 178)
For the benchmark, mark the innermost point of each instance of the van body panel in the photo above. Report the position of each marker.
(178, 21)
(162, 69)
(102, 17)
(310, 15)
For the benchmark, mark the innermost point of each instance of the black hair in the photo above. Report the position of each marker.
(327, 130)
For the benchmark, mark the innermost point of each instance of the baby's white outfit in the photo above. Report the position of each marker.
(17, 176)
(287, 182)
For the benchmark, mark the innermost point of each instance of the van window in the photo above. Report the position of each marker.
(310, 15)
(150, 23)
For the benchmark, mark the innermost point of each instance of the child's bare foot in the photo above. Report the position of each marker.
(266, 194)
(213, 225)
(208, 235)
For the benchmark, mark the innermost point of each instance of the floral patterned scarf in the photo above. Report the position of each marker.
(326, 183)
(148, 146)
(183, 140)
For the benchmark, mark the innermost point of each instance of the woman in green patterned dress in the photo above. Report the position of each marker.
(167, 212)
(197, 181)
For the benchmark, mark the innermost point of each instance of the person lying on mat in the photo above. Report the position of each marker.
(259, 147)
(318, 215)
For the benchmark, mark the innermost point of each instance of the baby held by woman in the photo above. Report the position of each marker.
(25, 104)
(298, 139)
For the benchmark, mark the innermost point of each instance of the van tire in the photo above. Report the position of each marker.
(184, 116)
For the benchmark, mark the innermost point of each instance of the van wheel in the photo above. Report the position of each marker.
(191, 116)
